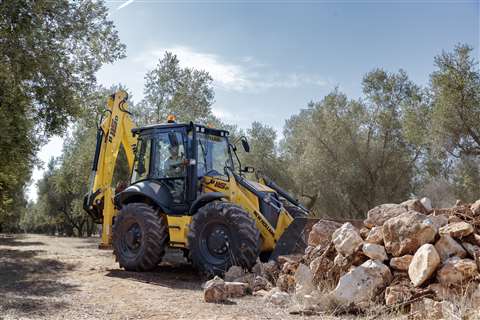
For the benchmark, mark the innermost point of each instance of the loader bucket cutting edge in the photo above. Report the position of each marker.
(295, 238)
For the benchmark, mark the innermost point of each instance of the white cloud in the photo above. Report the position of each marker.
(126, 3)
(227, 75)
(245, 75)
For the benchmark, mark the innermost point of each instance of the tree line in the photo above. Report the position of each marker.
(340, 156)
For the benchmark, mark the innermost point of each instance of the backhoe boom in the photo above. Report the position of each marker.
(115, 130)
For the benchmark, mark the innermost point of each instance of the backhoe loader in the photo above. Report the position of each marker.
(187, 190)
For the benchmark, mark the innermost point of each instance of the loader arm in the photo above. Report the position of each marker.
(115, 130)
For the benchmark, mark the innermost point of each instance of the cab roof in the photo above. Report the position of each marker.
(163, 126)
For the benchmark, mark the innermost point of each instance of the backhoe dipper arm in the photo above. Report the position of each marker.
(115, 130)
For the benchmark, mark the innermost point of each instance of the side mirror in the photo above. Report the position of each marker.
(245, 144)
(248, 169)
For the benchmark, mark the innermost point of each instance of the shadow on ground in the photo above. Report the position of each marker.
(28, 281)
(14, 241)
(175, 276)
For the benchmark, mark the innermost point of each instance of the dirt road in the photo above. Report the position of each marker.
(45, 277)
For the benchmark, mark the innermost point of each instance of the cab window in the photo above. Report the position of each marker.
(142, 160)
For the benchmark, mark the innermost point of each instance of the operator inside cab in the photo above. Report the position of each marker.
(173, 165)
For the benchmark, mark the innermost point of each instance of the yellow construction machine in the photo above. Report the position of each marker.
(187, 190)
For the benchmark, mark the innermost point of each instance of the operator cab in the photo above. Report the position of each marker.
(176, 157)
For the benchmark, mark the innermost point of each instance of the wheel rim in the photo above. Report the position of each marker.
(215, 243)
(132, 240)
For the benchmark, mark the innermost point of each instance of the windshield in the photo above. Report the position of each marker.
(213, 155)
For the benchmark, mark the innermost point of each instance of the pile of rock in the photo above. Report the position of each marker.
(406, 256)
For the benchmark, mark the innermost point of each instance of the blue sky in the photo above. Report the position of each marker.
(270, 58)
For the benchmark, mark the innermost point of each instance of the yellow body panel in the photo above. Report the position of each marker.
(178, 230)
(249, 202)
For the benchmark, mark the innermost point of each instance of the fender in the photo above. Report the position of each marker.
(153, 190)
(204, 199)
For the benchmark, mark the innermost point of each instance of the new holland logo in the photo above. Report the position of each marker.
(263, 222)
(113, 129)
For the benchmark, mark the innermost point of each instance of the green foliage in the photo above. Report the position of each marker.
(49, 53)
(348, 156)
(264, 153)
(455, 89)
(170, 89)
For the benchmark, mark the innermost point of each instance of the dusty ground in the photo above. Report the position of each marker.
(45, 277)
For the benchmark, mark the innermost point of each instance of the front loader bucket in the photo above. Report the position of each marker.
(295, 238)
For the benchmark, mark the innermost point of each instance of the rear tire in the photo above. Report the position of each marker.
(221, 235)
(139, 237)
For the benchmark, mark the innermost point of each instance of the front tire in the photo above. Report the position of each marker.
(139, 237)
(222, 235)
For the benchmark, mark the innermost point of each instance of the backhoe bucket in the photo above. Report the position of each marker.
(294, 239)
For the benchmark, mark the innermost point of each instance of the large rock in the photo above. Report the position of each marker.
(447, 247)
(415, 205)
(457, 230)
(362, 284)
(214, 291)
(401, 263)
(321, 232)
(346, 239)
(427, 203)
(405, 233)
(423, 265)
(375, 235)
(457, 271)
(374, 251)
(378, 215)
(303, 280)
